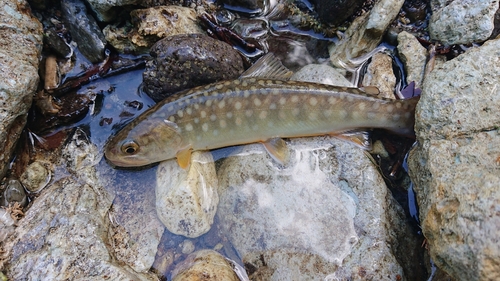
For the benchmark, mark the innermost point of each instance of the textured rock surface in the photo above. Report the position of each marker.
(321, 73)
(414, 57)
(319, 216)
(336, 11)
(456, 164)
(65, 232)
(366, 32)
(150, 25)
(462, 21)
(185, 61)
(186, 201)
(84, 30)
(204, 265)
(20, 47)
(379, 73)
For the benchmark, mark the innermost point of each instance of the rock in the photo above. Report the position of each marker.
(186, 201)
(150, 25)
(379, 74)
(204, 265)
(65, 232)
(321, 73)
(319, 216)
(462, 21)
(336, 11)
(20, 49)
(365, 32)
(456, 168)
(104, 9)
(36, 176)
(462, 95)
(185, 61)
(84, 30)
(414, 57)
(246, 6)
(56, 43)
(14, 192)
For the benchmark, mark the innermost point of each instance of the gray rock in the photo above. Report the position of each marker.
(185, 61)
(36, 176)
(462, 95)
(186, 201)
(20, 49)
(64, 235)
(151, 25)
(414, 57)
(321, 73)
(13, 193)
(84, 30)
(379, 74)
(318, 217)
(365, 32)
(456, 168)
(462, 21)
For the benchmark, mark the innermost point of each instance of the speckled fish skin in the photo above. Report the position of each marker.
(251, 110)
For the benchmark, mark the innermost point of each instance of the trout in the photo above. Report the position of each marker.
(248, 110)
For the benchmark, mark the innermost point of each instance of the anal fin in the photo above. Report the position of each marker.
(184, 157)
(278, 150)
(359, 138)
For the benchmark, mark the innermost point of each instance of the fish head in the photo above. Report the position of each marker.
(144, 142)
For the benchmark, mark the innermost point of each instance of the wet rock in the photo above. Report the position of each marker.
(14, 192)
(185, 61)
(204, 265)
(186, 201)
(456, 168)
(84, 30)
(65, 231)
(36, 176)
(20, 49)
(462, 22)
(379, 73)
(336, 11)
(248, 6)
(321, 73)
(414, 57)
(56, 43)
(365, 32)
(150, 25)
(318, 216)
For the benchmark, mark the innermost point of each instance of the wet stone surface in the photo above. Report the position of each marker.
(185, 61)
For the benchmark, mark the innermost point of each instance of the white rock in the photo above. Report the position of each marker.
(328, 207)
(204, 265)
(462, 21)
(186, 201)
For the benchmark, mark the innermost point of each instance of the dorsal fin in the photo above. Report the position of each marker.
(268, 66)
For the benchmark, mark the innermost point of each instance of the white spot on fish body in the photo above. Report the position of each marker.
(227, 83)
(215, 132)
(389, 108)
(208, 103)
(332, 100)
(237, 105)
(278, 82)
(350, 98)
(249, 113)
(263, 114)
(375, 105)
(189, 111)
(257, 102)
(221, 104)
(203, 114)
(361, 106)
(204, 127)
(229, 115)
(171, 119)
(261, 82)
(328, 112)
(213, 117)
(189, 127)
(398, 105)
(244, 83)
(222, 123)
(252, 80)
(236, 82)
(313, 101)
(371, 115)
(196, 120)
(170, 108)
(219, 86)
(272, 106)
(295, 111)
(313, 115)
(396, 117)
(196, 106)
(342, 114)
(246, 93)
(238, 121)
(180, 113)
(295, 99)
(282, 100)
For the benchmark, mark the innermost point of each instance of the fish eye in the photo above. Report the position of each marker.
(130, 147)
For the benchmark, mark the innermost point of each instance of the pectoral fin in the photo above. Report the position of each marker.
(184, 158)
(268, 66)
(359, 138)
(278, 150)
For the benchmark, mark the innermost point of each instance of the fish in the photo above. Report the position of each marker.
(261, 106)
